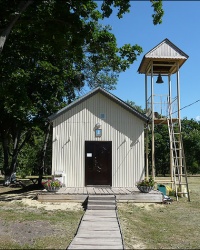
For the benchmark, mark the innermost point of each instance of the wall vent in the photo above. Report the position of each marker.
(102, 116)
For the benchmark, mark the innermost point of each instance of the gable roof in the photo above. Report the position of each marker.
(165, 52)
(108, 95)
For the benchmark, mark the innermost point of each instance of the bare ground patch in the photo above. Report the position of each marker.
(29, 224)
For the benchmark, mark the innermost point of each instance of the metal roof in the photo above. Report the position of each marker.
(105, 93)
(164, 56)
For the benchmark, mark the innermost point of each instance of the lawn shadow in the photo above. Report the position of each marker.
(18, 193)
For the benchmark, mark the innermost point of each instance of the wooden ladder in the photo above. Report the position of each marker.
(178, 158)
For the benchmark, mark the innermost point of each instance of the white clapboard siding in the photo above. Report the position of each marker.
(75, 126)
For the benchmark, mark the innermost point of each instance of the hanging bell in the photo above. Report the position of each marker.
(159, 79)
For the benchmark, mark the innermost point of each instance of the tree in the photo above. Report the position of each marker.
(191, 146)
(52, 50)
(191, 143)
(138, 108)
(11, 12)
(9, 21)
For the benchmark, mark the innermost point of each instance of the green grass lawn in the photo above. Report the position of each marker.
(23, 227)
(28, 227)
(155, 226)
(144, 226)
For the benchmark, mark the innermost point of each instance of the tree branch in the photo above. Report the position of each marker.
(23, 5)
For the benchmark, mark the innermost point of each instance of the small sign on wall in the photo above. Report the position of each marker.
(89, 154)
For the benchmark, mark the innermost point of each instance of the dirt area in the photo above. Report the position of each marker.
(23, 232)
(28, 222)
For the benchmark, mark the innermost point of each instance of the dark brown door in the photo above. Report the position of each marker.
(98, 163)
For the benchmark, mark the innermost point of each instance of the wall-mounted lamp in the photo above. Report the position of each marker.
(98, 130)
(98, 125)
(159, 79)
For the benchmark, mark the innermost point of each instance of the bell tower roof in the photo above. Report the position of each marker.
(164, 57)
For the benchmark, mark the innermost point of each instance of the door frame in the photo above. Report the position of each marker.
(110, 164)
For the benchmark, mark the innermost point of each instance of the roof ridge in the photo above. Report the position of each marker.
(105, 92)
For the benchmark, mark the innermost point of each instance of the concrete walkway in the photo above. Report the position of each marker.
(99, 227)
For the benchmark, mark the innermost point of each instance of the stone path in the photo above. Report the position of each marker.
(99, 228)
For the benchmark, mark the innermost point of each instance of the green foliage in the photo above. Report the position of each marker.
(162, 149)
(158, 11)
(138, 108)
(191, 143)
(53, 50)
(146, 182)
(29, 158)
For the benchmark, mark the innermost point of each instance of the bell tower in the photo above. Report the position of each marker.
(162, 103)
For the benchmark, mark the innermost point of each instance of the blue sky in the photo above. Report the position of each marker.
(181, 25)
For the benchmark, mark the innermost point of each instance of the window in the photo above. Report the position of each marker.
(102, 116)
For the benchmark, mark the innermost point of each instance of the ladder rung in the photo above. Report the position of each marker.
(181, 183)
(182, 192)
(164, 181)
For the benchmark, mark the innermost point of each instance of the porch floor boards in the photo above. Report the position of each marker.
(80, 194)
(96, 190)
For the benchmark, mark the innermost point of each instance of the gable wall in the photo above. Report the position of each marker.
(77, 125)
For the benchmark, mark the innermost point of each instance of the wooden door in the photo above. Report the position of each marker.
(98, 163)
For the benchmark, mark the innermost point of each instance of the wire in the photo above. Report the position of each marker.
(186, 106)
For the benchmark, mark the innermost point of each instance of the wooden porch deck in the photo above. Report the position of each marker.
(96, 190)
(81, 194)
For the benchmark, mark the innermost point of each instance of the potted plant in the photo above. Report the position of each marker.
(146, 185)
(52, 185)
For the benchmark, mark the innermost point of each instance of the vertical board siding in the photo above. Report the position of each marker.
(125, 130)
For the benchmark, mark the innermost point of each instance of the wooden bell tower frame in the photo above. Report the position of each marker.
(164, 59)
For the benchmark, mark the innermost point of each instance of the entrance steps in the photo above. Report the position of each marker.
(101, 202)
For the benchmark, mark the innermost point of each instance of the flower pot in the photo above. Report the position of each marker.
(52, 189)
(145, 189)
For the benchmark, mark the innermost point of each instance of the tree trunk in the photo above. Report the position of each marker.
(6, 170)
(4, 35)
(10, 167)
(43, 154)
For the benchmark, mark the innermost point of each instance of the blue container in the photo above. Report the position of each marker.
(161, 188)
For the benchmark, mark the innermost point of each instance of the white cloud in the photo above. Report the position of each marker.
(197, 118)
